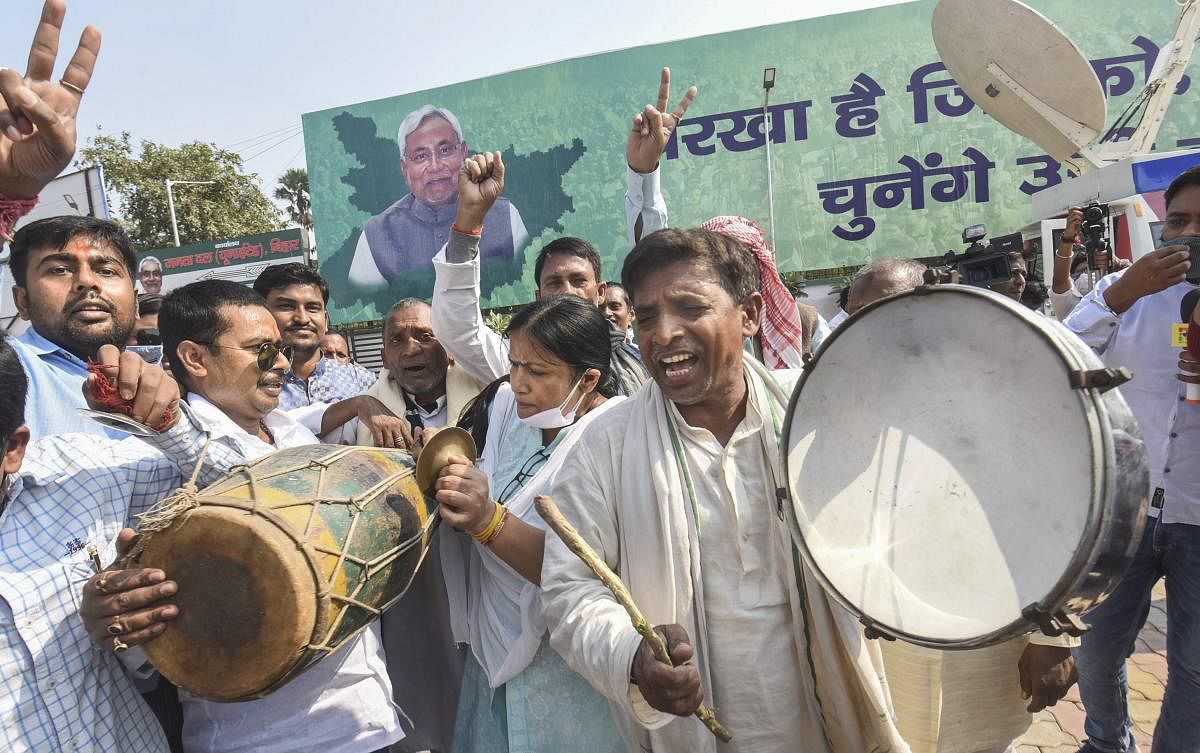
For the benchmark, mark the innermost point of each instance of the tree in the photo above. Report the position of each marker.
(293, 189)
(233, 205)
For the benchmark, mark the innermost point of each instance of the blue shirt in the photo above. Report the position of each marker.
(60, 692)
(329, 382)
(55, 392)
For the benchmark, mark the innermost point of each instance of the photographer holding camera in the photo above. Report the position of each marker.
(1132, 318)
(1074, 267)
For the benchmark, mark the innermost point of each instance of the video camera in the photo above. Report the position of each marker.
(981, 265)
(1094, 231)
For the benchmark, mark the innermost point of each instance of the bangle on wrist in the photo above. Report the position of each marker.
(494, 525)
(499, 528)
(1060, 256)
(477, 232)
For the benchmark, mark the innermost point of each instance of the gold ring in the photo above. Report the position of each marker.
(115, 628)
(119, 645)
(678, 118)
(67, 84)
(102, 585)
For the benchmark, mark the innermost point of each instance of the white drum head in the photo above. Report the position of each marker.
(940, 465)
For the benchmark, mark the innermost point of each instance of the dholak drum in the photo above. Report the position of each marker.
(284, 560)
(958, 474)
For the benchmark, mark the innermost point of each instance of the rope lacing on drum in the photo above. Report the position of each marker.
(165, 512)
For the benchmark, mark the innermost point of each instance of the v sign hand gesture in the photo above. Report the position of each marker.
(652, 127)
(37, 114)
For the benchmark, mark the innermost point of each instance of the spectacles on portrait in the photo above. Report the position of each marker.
(266, 353)
(425, 156)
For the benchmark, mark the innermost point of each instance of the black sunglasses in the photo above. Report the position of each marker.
(266, 352)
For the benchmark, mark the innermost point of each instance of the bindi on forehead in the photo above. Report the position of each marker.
(82, 245)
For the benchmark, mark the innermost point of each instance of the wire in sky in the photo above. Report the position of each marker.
(247, 143)
(280, 142)
(292, 161)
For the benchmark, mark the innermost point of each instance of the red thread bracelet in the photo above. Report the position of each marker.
(12, 210)
(475, 233)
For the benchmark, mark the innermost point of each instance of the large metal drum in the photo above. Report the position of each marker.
(958, 474)
(284, 560)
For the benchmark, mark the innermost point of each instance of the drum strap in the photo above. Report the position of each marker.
(161, 515)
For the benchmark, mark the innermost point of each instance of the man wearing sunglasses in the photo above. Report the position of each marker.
(408, 233)
(226, 351)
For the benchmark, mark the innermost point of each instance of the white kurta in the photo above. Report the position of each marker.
(758, 681)
(625, 489)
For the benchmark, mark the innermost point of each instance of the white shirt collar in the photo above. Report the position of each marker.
(439, 408)
(287, 432)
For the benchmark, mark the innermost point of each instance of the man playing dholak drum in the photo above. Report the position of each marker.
(676, 492)
(225, 349)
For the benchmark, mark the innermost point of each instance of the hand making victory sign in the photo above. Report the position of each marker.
(652, 127)
(37, 114)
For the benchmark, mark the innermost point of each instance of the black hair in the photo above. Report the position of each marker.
(614, 285)
(193, 312)
(1035, 294)
(566, 326)
(279, 276)
(57, 232)
(12, 397)
(844, 297)
(1189, 177)
(732, 261)
(149, 303)
(571, 247)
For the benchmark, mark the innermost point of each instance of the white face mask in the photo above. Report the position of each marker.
(556, 418)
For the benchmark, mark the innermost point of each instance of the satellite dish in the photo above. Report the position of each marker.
(1024, 72)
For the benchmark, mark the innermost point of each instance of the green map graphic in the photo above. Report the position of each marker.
(377, 182)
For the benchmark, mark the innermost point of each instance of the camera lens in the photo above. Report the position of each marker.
(1093, 214)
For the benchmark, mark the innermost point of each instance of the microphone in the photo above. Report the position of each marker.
(1187, 313)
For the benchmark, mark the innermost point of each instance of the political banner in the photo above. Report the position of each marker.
(873, 150)
(238, 259)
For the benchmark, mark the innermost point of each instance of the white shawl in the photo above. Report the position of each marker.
(657, 555)
(492, 607)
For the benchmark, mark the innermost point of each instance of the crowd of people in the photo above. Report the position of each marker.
(649, 409)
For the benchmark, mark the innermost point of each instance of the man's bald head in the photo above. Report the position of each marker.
(413, 356)
(882, 278)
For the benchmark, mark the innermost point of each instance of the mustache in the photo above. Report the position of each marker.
(90, 299)
(301, 327)
(675, 346)
(272, 378)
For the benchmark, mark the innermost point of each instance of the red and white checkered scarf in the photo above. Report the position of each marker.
(782, 336)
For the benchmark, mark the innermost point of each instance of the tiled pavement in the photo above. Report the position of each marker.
(1060, 729)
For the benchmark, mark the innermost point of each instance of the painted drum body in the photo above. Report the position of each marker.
(283, 561)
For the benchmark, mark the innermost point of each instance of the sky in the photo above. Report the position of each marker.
(239, 73)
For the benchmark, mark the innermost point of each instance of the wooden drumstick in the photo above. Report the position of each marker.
(549, 512)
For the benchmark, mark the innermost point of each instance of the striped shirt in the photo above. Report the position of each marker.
(58, 691)
(330, 382)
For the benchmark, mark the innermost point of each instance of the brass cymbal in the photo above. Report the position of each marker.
(435, 455)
